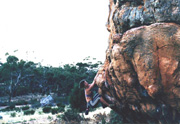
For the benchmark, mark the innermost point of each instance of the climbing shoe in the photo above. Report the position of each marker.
(87, 112)
(103, 105)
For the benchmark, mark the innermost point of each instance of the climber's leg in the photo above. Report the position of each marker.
(93, 102)
(103, 101)
(87, 108)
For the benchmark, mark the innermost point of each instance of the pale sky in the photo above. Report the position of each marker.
(53, 31)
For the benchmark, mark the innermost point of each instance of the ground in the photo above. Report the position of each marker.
(41, 118)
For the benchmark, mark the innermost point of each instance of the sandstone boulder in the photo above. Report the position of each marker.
(142, 71)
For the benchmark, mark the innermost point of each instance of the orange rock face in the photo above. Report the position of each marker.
(142, 71)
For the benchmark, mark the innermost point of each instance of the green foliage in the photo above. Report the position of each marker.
(71, 115)
(22, 90)
(34, 103)
(21, 102)
(103, 121)
(60, 109)
(54, 110)
(115, 118)
(3, 103)
(77, 99)
(32, 119)
(19, 77)
(11, 106)
(13, 114)
(57, 110)
(17, 109)
(25, 108)
(47, 109)
(60, 105)
(29, 112)
(49, 118)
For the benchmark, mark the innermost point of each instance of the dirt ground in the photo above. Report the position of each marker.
(41, 118)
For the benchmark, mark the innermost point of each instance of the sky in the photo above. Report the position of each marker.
(53, 32)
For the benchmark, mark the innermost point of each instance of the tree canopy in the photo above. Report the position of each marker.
(19, 77)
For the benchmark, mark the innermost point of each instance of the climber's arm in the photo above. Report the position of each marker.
(93, 83)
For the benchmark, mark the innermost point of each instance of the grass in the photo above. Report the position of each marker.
(32, 119)
(49, 118)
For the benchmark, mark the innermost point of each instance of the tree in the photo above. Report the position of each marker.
(15, 72)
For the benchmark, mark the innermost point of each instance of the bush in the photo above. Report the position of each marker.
(13, 114)
(25, 108)
(71, 115)
(54, 111)
(77, 99)
(37, 105)
(57, 110)
(29, 112)
(11, 106)
(47, 109)
(17, 109)
(60, 105)
(115, 118)
(33, 101)
(61, 109)
(21, 102)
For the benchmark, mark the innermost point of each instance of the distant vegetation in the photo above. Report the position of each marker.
(19, 77)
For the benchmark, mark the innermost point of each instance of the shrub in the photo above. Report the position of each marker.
(32, 119)
(71, 115)
(17, 109)
(13, 114)
(36, 105)
(54, 111)
(29, 112)
(61, 109)
(21, 102)
(11, 106)
(49, 118)
(57, 110)
(115, 118)
(77, 99)
(40, 113)
(33, 101)
(47, 109)
(25, 108)
(60, 105)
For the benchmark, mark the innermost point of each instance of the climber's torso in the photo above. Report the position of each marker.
(88, 94)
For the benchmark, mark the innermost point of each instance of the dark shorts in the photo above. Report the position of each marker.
(94, 101)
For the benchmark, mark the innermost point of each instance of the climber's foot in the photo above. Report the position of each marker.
(103, 105)
(87, 112)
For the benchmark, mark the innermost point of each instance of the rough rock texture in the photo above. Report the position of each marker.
(141, 73)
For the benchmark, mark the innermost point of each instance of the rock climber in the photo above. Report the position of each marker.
(91, 100)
